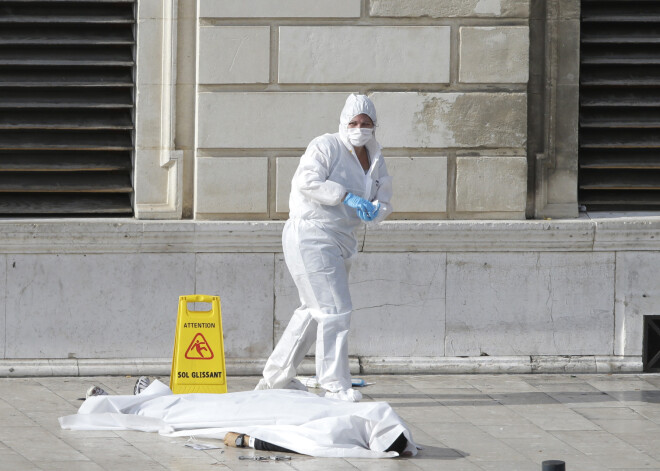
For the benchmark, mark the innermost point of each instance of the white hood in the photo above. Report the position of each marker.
(355, 105)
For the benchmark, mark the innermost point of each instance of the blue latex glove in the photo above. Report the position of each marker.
(365, 216)
(358, 203)
(376, 209)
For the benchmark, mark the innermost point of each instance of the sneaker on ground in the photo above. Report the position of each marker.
(349, 395)
(95, 391)
(141, 384)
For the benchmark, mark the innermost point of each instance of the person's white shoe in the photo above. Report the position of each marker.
(349, 395)
(294, 384)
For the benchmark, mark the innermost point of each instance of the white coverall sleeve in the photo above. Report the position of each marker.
(311, 177)
(383, 193)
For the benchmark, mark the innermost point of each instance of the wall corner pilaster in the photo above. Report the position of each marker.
(556, 171)
(157, 178)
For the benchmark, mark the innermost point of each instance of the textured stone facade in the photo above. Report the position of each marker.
(492, 54)
(234, 54)
(488, 184)
(554, 92)
(450, 8)
(279, 9)
(427, 295)
(448, 79)
(477, 103)
(312, 54)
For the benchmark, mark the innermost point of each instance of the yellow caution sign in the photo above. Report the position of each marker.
(198, 363)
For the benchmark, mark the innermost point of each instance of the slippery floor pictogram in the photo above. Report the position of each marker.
(199, 349)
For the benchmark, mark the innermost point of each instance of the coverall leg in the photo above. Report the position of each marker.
(320, 272)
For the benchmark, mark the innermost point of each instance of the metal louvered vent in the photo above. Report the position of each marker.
(619, 156)
(66, 107)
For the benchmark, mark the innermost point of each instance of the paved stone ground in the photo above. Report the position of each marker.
(464, 422)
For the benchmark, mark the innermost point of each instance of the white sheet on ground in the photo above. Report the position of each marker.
(297, 420)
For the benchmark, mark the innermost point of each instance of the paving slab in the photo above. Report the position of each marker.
(463, 422)
(608, 449)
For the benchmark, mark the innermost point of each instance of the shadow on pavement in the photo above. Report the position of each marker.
(429, 452)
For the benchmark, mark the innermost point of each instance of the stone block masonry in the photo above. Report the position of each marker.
(449, 120)
(228, 95)
(558, 297)
(311, 54)
(276, 120)
(420, 183)
(447, 77)
(427, 295)
(234, 54)
(280, 8)
(450, 8)
(494, 54)
(217, 177)
(486, 184)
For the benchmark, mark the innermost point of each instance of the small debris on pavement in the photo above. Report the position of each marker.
(265, 458)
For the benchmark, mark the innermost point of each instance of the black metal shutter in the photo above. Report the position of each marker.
(619, 156)
(66, 107)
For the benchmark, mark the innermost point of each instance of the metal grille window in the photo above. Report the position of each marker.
(66, 107)
(619, 149)
(651, 346)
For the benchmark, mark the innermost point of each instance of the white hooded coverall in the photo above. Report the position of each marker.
(319, 241)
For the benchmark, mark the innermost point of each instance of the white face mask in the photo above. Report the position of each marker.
(360, 136)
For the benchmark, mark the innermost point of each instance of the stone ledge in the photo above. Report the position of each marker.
(70, 236)
(134, 367)
(573, 235)
(445, 365)
(478, 236)
(503, 364)
(134, 236)
(628, 233)
(362, 365)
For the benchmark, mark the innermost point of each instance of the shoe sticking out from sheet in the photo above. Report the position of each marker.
(95, 391)
(141, 384)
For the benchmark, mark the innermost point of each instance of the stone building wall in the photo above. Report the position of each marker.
(229, 93)
(101, 296)
(449, 80)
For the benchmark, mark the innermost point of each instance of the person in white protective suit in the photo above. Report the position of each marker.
(341, 182)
